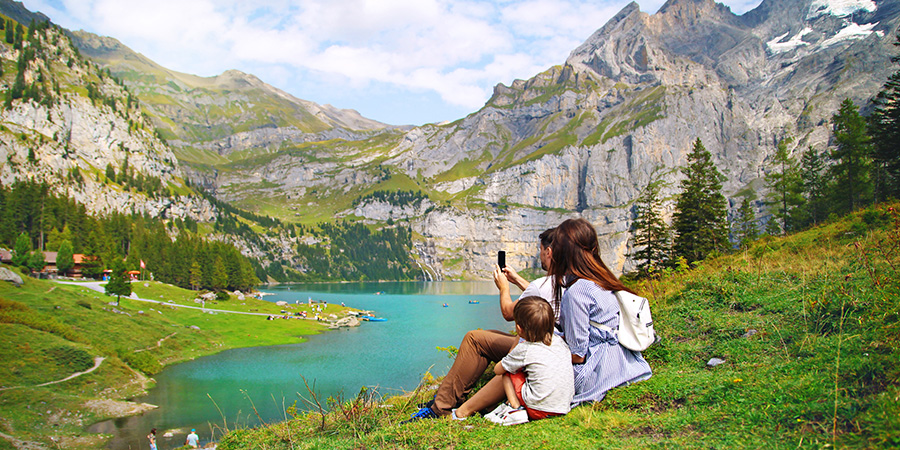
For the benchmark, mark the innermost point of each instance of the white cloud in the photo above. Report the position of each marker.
(458, 49)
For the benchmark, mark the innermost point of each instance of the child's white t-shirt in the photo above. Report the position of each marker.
(549, 379)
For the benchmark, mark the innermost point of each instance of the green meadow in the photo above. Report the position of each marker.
(50, 331)
(807, 326)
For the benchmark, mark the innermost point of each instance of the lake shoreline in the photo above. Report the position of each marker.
(371, 297)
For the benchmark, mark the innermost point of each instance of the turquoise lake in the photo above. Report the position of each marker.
(391, 356)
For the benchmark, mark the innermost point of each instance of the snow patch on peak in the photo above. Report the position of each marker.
(852, 31)
(777, 46)
(839, 8)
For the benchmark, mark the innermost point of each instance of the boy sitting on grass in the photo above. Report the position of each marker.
(536, 376)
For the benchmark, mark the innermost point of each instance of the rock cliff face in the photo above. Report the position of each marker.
(578, 140)
(583, 138)
(67, 139)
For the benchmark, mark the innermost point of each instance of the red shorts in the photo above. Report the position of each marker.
(518, 380)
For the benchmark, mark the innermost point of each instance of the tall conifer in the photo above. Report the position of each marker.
(746, 227)
(852, 158)
(884, 127)
(65, 260)
(700, 214)
(785, 187)
(650, 233)
(815, 187)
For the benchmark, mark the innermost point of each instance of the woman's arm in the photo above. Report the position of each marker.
(575, 320)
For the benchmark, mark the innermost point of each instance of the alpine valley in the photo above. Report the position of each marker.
(579, 139)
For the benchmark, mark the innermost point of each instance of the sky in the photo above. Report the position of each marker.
(401, 62)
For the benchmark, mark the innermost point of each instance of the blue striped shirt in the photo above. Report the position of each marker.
(606, 363)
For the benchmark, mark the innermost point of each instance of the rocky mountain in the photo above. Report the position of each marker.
(228, 113)
(580, 139)
(67, 122)
(583, 138)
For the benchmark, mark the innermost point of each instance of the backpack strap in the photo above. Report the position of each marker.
(604, 327)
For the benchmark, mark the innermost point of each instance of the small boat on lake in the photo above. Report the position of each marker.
(446, 305)
(473, 302)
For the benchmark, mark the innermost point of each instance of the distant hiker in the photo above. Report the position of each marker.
(584, 286)
(535, 377)
(192, 439)
(481, 347)
(152, 438)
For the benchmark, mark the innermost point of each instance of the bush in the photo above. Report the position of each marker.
(74, 358)
(222, 296)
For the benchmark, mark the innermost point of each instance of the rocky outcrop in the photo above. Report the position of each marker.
(10, 276)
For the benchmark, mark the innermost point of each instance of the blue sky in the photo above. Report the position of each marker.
(396, 61)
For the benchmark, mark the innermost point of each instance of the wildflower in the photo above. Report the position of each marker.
(738, 380)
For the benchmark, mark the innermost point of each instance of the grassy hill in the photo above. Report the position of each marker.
(807, 326)
(50, 331)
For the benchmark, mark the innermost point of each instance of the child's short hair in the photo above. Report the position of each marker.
(534, 316)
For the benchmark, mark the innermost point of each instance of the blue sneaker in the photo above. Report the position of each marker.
(423, 413)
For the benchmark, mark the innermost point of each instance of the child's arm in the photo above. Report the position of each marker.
(499, 369)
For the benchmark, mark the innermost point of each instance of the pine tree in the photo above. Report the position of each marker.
(884, 127)
(785, 186)
(22, 249)
(815, 187)
(650, 232)
(219, 275)
(65, 260)
(36, 261)
(110, 172)
(118, 283)
(746, 226)
(700, 220)
(850, 172)
(196, 275)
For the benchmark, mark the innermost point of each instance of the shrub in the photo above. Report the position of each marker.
(74, 358)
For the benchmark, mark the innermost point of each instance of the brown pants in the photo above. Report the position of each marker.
(477, 350)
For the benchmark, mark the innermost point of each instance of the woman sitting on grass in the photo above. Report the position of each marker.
(535, 377)
(599, 361)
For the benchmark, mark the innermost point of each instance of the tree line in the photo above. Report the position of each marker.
(33, 219)
(353, 252)
(395, 198)
(861, 167)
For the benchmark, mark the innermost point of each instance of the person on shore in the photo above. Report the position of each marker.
(584, 287)
(152, 438)
(192, 440)
(482, 347)
(535, 377)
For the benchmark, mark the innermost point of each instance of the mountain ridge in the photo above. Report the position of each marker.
(579, 139)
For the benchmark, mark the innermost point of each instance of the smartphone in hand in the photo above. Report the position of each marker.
(501, 259)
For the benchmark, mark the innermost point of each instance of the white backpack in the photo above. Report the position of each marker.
(635, 323)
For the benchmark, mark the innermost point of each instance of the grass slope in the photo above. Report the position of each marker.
(807, 326)
(50, 331)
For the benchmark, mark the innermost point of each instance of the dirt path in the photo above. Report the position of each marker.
(98, 286)
(97, 361)
(158, 344)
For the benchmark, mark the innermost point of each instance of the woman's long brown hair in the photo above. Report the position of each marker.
(576, 254)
